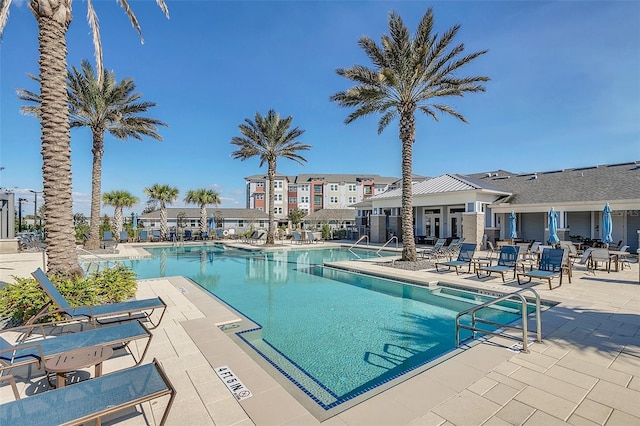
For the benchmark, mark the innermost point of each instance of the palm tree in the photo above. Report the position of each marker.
(118, 199)
(407, 74)
(269, 138)
(107, 106)
(202, 197)
(163, 195)
(53, 19)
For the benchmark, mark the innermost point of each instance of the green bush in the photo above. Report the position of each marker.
(326, 232)
(25, 298)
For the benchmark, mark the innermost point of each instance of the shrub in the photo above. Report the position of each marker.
(25, 298)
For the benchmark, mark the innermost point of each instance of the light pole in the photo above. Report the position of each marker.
(35, 207)
(20, 201)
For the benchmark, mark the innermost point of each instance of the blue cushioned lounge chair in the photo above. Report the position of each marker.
(507, 262)
(465, 255)
(551, 265)
(107, 313)
(143, 236)
(38, 342)
(108, 242)
(90, 399)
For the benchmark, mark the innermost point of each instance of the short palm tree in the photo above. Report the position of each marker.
(53, 19)
(101, 106)
(163, 194)
(202, 197)
(119, 200)
(269, 138)
(408, 73)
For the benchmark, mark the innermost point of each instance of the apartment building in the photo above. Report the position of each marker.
(313, 192)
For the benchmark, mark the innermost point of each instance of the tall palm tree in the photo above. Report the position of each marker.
(118, 199)
(269, 138)
(53, 19)
(163, 195)
(202, 197)
(408, 73)
(106, 106)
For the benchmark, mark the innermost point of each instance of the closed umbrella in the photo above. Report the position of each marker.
(553, 226)
(210, 222)
(607, 225)
(134, 221)
(512, 226)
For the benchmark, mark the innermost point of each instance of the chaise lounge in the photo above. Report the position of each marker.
(507, 262)
(551, 266)
(90, 399)
(107, 313)
(465, 256)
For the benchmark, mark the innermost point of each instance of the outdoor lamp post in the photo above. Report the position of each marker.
(20, 201)
(35, 207)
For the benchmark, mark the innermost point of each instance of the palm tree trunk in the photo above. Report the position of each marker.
(272, 175)
(407, 136)
(203, 218)
(117, 218)
(96, 178)
(53, 22)
(163, 220)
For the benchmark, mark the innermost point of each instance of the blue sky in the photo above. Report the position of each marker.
(564, 90)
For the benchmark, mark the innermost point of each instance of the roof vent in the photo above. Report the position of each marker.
(488, 175)
(534, 177)
(495, 175)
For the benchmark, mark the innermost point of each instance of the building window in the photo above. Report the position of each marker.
(333, 187)
(304, 187)
(352, 187)
(317, 200)
(317, 189)
(259, 196)
(352, 199)
(277, 198)
(293, 188)
(260, 184)
(277, 210)
(277, 184)
(240, 223)
(293, 200)
(333, 200)
(304, 199)
(367, 190)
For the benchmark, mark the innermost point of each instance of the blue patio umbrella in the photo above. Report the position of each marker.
(553, 226)
(210, 222)
(607, 225)
(512, 226)
(134, 221)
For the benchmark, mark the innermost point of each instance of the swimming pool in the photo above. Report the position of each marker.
(334, 334)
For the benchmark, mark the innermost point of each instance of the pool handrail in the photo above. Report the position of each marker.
(525, 316)
(385, 244)
(364, 237)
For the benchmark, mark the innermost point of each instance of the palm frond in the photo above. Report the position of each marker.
(4, 14)
(97, 43)
(132, 17)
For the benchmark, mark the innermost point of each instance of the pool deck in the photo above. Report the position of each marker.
(585, 372)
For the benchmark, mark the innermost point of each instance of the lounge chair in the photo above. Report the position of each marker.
(436, 250)
(143, 236)
(124, 236)
(601, 255)
(465, 256)
(107, 313)
(108, 242)
(551, 266)
(585, 260)
(38, 342)
(261, 237)
(219, 234)
(156, 235)
(187, 235)
(507, 262)
(204, 235)
(90, 399)
(296, 237)
(312, 239)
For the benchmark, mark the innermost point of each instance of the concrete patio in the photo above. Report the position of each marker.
(586, 370)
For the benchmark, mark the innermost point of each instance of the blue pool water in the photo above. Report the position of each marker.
(333, 333)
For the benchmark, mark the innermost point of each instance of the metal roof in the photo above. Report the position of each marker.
(443, 184)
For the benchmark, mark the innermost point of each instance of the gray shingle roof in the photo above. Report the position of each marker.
(325, 215)
(597, 184)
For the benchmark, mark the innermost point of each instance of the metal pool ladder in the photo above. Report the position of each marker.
(364, 237)
(475, 321)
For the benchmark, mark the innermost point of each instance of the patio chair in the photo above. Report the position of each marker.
(601, 255)
(507, 262)
(623, 259)
(296, 237)
(312, 239)
(204, 235)
(219, 234)
(108, 242)
(551, 266)
(156, 235)
(188, 236)
(435, 250)
(107, 313)
(465, 256)
(585, 260)
(124, 236)
(261, 237)
(34, 344)
(143, 236)
(90, 399)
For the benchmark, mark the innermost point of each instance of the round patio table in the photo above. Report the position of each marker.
(77, 359)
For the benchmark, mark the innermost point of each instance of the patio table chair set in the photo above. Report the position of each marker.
(115, 326)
